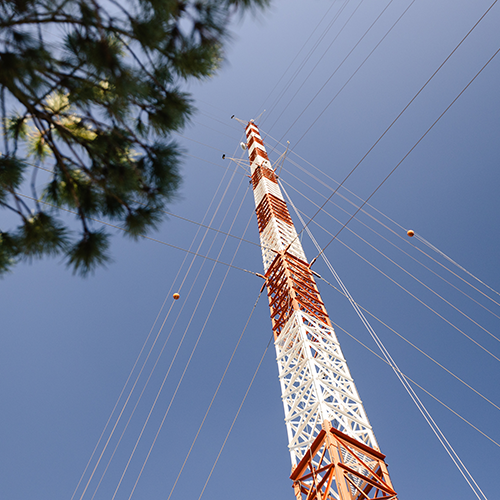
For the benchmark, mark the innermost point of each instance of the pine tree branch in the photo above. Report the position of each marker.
(102, 101)
(18, 212)
(4, 121)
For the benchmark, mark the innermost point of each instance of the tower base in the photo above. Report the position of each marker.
(338, 467)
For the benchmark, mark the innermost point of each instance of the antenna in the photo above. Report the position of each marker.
(333, 449)
(244, 123)
(282, 158)
(258, 118)
(241, 163)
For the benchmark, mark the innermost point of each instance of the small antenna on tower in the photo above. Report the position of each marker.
(238, 120)
(258, 118)
(282, 159)
(241, 163)
(243, 122)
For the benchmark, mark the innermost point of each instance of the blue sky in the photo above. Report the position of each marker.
(68, 345)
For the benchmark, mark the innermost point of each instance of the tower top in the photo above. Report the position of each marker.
(256, 149)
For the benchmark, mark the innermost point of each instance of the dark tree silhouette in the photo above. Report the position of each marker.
(90, 93)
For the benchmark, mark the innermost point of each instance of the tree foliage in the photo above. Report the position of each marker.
(90, 94)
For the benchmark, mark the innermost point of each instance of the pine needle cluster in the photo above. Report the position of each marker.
(90, 94)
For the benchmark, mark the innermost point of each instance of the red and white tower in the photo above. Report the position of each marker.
(332, 446)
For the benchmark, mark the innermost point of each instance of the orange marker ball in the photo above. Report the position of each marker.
(410, 233)
(176, 296)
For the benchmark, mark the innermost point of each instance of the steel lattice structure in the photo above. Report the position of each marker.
(332, 446)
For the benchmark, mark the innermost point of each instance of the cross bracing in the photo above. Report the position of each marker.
(316, 385)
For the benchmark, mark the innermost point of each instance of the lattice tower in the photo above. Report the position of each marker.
(332, 446)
